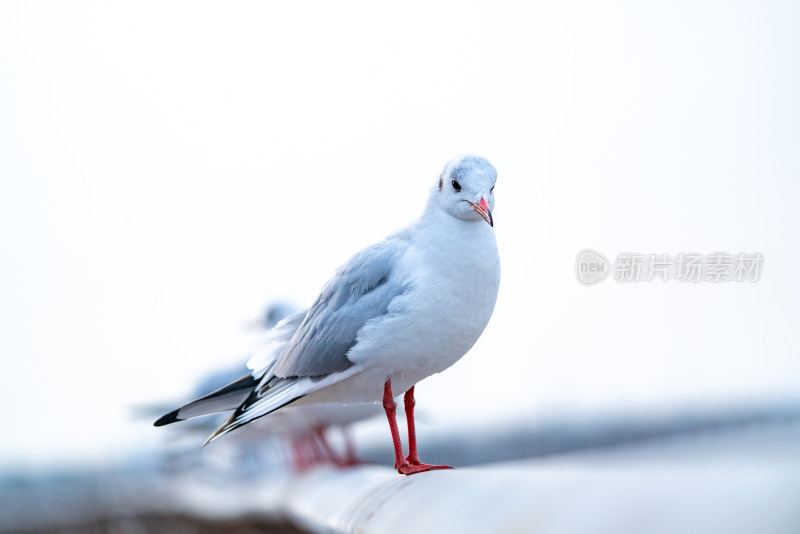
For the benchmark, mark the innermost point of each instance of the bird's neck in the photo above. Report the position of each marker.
(440, 230)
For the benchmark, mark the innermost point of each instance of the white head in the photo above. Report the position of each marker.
(466, 188)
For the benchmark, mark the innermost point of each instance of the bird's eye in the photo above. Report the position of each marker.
(491, 190)
(456, 185)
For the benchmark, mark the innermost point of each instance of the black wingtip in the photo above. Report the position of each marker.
(171, 417)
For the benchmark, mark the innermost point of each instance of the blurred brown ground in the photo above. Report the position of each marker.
(172, 524)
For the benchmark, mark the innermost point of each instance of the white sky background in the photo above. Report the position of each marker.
(167, 169)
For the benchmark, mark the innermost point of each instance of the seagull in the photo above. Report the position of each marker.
(397, 312)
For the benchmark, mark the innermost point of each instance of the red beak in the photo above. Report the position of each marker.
(483, 210)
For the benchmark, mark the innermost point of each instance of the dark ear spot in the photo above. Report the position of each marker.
(440, 183)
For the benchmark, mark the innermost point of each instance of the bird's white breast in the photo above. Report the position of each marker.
(452, 275)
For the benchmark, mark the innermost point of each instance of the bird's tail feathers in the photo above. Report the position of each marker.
(273, 394)
(223, 399)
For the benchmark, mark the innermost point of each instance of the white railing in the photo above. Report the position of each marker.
(727, 481)
(554, 497)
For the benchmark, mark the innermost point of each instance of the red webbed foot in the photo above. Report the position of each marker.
(419, 467)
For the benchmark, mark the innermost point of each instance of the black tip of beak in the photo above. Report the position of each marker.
(483, 210)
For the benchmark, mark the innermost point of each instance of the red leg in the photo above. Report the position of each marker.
(403, 466)
(297, 454)
(413, 456)
(390, 407)
(313, 453)
(350, 455)
(409, 402)
(303, 455)
(322, 441)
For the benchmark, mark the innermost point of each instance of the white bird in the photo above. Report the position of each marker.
(397, 312)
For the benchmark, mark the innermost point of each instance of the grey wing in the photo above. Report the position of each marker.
(275, 343)
(359, 291)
